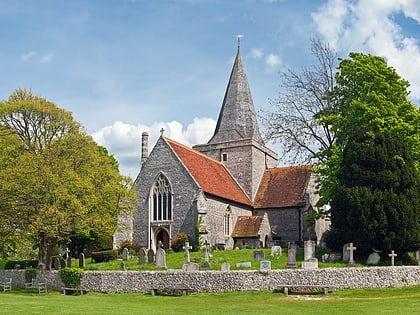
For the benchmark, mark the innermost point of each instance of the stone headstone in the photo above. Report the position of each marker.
(67, 257)
(245, 264)
(56, 263)
(82, 260)
(229, 244)
(225, 266)
(309, 248)
(160, 258)
(265, 265)
(122, 266)
(418, 257)
(312, 263)
(373, 259)
(259, 255)
(206, 248)
(291, 257)
(125, 254)
(150, 256)
(142, 256)
(346, 253)
(63, 263)
(190, 266)
(275, 250)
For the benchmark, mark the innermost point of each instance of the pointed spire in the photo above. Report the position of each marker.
(237, 118)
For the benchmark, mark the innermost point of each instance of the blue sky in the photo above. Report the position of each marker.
(127, 66)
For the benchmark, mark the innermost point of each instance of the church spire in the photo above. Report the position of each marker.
(237, 118)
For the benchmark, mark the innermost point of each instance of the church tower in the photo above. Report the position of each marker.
(237, 141)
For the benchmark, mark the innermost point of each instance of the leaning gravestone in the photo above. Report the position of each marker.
(291, 257)
(225, 266)
(142, 256)
(259, 255)
(275, 250)
(373, 259)
(125, 254)
(150, 256)
(309, 248)
(190, 266)
(81, 260)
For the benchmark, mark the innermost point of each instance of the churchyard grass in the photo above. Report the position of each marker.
(367, 301)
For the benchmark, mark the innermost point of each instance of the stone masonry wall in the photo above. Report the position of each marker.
(219, 281)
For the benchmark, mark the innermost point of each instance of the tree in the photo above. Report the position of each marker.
(55, 180)
(372, 177)
(305, 98)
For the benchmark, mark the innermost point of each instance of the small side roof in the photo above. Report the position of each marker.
(209, 173)
(248, 226)
(283, 187)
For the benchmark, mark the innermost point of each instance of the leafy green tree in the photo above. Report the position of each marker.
(55, 180)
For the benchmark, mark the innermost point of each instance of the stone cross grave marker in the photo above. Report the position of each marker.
(351, 249)
(187, 248)
(160, 256)
(150, 256)
(259, 255)
(81, 260)
(291, 257)
(309, 248)
(392, 255)
(142, 256)
(125, 254)
(68, 257)
(206, 248)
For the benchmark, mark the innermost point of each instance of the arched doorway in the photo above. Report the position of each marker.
(163, 236)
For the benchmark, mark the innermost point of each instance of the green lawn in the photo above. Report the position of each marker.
(371, 301)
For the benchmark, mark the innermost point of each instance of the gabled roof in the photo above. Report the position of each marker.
(247, 226)
(283, 187)
(237, 119)
(210, 174)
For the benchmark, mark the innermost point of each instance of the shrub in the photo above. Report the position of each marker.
(179, 241)
(333, 240)
(71, 277)
(21, 264)
(104, 256)
(30, 274)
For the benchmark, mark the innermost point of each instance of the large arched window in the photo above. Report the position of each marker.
(162, 199)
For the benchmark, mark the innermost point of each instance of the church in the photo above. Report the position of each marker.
(227, 192)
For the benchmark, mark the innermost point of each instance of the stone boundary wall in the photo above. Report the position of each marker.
(221, 281)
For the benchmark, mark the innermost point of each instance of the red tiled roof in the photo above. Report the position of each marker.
(247, 226)
(209, 173)
(283, 187)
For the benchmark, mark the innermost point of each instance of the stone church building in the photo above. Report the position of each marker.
(228, 191)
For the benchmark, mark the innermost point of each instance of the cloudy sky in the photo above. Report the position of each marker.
(127, 66)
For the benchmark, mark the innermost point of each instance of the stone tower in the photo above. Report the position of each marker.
(237, 141)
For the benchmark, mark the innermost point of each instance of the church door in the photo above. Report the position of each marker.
(163, 236)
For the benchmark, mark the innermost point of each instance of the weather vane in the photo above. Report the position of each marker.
(239, 36)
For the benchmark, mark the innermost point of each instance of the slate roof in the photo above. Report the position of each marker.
(209, 173)
(237, 118)
(283, 187)
(247, 226)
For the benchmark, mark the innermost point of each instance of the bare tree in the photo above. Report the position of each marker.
(297, 118)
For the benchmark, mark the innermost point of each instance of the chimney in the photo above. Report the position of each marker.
(144, 148)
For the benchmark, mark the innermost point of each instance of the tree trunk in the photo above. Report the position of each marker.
(45, 247)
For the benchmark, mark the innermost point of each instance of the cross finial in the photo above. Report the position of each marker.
(162, 131)
(239, 36)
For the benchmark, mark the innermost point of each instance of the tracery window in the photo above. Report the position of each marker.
(227, 220)
(162, 199)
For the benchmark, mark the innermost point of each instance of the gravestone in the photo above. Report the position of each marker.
(187, 248)
(142, 256)
(82, 260)
(265, 265)
(275, 250)
(291, 257)
(206, 248)
(309, 248)
(150, 256)
(190, 266)
(245, 264)
(418, 257)
(351, 249)
(373, 259)
(63, 263)
(225, 266)
(312, 263)
(125, 254)
(259, 255)
(122, 266)
(160, 256)
(68, 257)
(392, 255)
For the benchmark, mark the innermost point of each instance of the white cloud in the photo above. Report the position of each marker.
(27, 55)
(257, 53)
(124, 140)
(369, 26)
(273, 61)
(47, 58)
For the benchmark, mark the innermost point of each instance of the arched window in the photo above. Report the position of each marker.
(227, 220)
(162, 199)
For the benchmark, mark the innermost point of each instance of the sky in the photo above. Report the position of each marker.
(123, 67)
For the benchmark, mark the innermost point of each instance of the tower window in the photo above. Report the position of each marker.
(162, 199)
(224, 157)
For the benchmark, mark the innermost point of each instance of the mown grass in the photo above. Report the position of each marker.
(361, 301)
